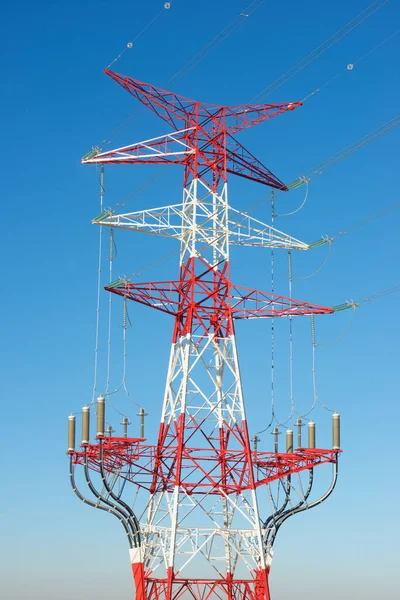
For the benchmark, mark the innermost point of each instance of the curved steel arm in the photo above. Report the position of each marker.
(294, 509)
(312, 504)
(284, 505)
(97, 505)
(132, 517)
(105, 500)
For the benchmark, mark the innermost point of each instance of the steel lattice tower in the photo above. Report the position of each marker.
(203, 533)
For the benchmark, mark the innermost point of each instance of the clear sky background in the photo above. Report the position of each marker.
(56, 103)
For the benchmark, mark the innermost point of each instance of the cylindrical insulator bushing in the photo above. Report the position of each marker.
(125, 424)
(142, 414)
(311, 434)
(299, 424)
(71, 432)
(336, 431)
(101, 408)
(276, 439)
(85, 424)
(289, 441)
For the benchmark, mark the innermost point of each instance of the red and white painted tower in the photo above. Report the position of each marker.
(203, 530)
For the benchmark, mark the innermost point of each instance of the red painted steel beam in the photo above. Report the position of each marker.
(202, 471)
(214, 125)
(224, 588)
(240, 302)
(176, 109)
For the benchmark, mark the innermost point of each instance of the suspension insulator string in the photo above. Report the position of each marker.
(96, 348)
(272, 320)
(312, 320)
(273, 415)
(290, 333)
(110, 268)
(126, 324)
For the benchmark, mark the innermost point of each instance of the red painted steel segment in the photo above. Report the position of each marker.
(208, 134)
(212, 300)
(205, 304)
(142, 461)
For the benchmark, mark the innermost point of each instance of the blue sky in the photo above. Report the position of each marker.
(57, 103)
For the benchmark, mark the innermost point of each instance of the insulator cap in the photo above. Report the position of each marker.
(101, 407)
(336, 431)
(311, 434)
(71, 433)
(289, 441)
(85, 424)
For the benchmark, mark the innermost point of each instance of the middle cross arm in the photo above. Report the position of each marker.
(174, 221)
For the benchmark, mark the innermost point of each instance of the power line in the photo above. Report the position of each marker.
(351, 66)
(341, 154)
(378, 295)
(218, 39)
(130, 45)
(322, 48)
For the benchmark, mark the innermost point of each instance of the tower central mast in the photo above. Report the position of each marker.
(201, 532)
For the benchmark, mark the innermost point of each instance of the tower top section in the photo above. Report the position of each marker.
(181, 112)
(203, 140)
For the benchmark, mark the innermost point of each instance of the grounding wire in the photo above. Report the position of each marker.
(290, 278)
(130, 45)
(322, 48)
(207, 49)
(218, 39)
